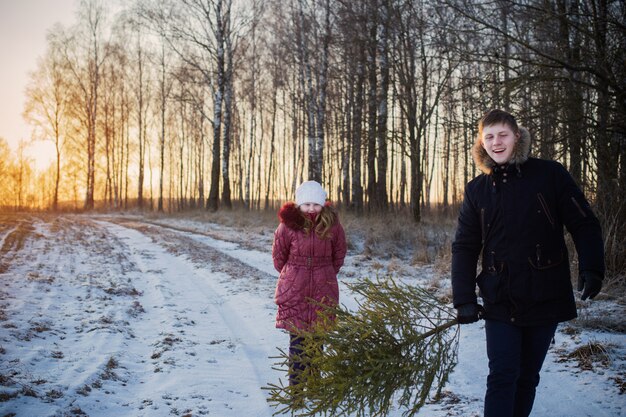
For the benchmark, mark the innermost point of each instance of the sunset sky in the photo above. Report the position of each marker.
(23, 28)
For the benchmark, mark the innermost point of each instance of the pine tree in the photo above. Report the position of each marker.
(398, 347)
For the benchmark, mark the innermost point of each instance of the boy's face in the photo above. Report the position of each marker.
(499, 141)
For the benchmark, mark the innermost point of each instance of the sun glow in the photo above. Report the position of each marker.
(42, 154)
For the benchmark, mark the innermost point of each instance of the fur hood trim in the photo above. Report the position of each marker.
(289, 214)
(520, 154)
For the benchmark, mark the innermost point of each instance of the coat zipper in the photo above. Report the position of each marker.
(482, 225)
(310, 266)
(492, 268)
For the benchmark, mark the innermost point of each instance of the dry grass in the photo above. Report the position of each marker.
(384, 235)
(615, 286)
(54, 394)
(391, 237)
(603, 316)
(135, 309)
(24, 389)
(397, 238)
(397, 235)
(602, 321)
(13, 243)
(237, 217)
(590, 355)
(620, 381)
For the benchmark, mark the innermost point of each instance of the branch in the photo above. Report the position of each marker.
(398, 348)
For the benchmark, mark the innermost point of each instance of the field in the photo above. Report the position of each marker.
(128, 315)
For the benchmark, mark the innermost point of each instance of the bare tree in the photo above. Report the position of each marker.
(313, 36)
(142, 97)
(165, 85)
(582, 57)
(46, 107)
(384, 65)
(197, 30)
(7, 167)
(84, 54)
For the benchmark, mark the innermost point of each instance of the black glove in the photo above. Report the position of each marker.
(469, 313)
(590, 283)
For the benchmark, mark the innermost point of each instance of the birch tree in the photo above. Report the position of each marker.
(384, 65)
(314, 36)
(84, 54)
(197, 31)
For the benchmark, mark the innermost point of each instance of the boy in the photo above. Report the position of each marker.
(512, 217)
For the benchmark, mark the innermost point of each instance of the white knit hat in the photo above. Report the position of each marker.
(310, 192)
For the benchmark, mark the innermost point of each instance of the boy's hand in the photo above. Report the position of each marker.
(469, 313)
(590, 283)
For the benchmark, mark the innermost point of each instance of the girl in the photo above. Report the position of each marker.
(512, 218)
(308, 250)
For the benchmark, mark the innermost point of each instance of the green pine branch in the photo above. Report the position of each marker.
(398, 348)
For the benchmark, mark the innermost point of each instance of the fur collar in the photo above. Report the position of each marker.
(519, 156)
(289, 214)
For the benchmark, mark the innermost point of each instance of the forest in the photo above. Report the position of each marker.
(172, 105)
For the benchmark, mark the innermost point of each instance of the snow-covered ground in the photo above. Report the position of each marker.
(126, 316)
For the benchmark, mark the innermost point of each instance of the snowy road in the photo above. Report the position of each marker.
(133, 320)
(210, 357)
(124, 317)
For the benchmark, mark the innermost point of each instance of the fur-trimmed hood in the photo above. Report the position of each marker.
(289, 214)
(520, 153)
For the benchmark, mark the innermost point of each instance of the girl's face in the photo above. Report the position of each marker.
(499, 141)
(310, 208)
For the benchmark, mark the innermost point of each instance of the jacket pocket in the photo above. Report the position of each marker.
(289, 291)
(546, 210)
(281, 293)
(491, 279)
(549, 275)
(491, 287)
(579, 207)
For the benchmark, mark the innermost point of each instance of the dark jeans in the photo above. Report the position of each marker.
(296, 367)
(299, 363)
(515, 358)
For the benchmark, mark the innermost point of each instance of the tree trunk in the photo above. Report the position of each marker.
(321, 103)
(272, 142)
(416, 177)
(573, 105)
(383, 64)
(357, 122)
(218, 97)
(346, 149)
(228, 107)
(140, 123)
(310, 102)
(163, 90)
(372, 104)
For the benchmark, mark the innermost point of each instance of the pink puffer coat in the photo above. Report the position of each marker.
(308, 269)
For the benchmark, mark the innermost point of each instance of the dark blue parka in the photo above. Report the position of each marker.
(512, 218)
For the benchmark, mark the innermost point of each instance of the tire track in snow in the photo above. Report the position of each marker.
(63, 326)
(262, 266)
(261, 261)
(195, 281)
